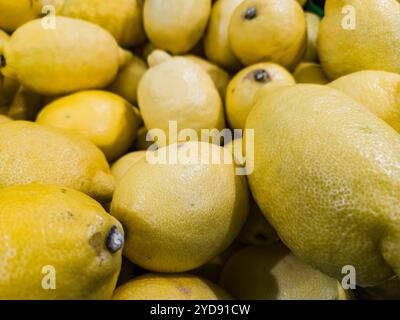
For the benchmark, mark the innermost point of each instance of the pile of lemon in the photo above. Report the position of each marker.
(95, 205)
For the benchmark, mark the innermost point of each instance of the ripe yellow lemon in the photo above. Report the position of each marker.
(57, 243)
(180, 214)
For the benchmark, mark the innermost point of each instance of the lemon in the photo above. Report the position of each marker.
(122, 18)
(123, 164)
(179, 215)
(219, 76)
(188, 96)
(56, 236)
(76, 55)
(176, 25)
(104, 118)
(327, 177)
(216, 40)
(310, 72)
(369, 29)
(127, 80)
(15, 13)
(169, 287)
(34, 153)
(25, 105)
(379, 91)
(244, 86)
(273, 273)
(271, 31)
(313, 22)
(4, 119)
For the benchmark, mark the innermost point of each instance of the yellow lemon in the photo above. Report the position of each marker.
(180, 214)
(15, 13)
(176, 25)
(368, 29)
(75, 55)
(273, 273)
(379, 91)
(106, 119)
(179, 90)
(123, 164)
(327, 177)
(169, 287)
(35, 153)
(127, 80)
(219, 76)
(270, 31)
(310, 72)
(216, 40)
(57, 243)
(244, 86)
(122, 18)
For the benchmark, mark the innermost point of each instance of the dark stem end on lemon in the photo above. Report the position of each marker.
(114, 240)
(250, 13)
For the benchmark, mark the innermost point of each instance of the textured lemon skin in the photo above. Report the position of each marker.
(277, 34)
(127, 80)
(379, 91)
(216, 41)
(176, 25)
(15, 13)
(59, 227)
(179, 216)
(105, 118)
(219, 76)
(310, 72)
(46, 60)
(169, 287)
(34, 153)
(327, 177)
(373, 44)
(122, 18)
(243, 88)
(273, 273)
(123, 164)
(180, 90)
